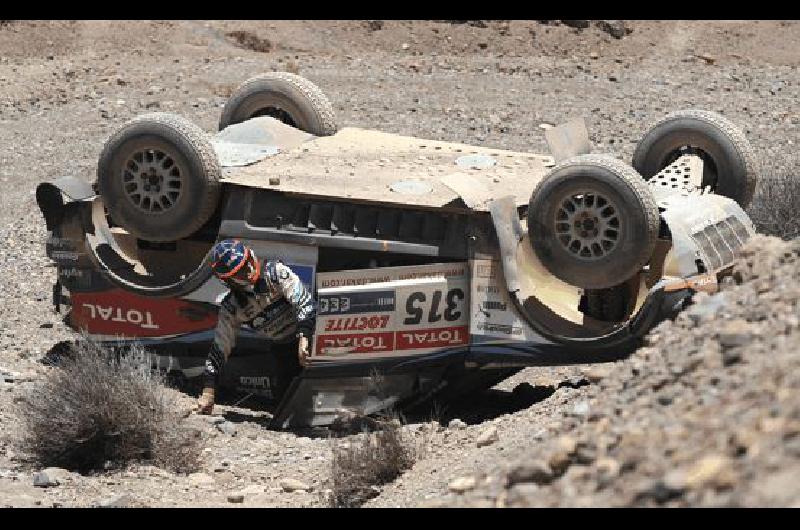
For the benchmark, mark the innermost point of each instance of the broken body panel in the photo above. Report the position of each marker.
(415, 250)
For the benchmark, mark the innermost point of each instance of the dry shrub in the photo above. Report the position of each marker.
(101, 409)
(775, 209)
(360, 465)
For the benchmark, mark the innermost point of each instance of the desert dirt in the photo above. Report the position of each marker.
(706, 413)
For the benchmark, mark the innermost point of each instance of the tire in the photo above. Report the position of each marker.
(175, 160)
(292, 99)
(730, 165)
(617, 220)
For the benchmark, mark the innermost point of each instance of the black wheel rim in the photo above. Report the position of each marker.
(587, 225)
(152, 180)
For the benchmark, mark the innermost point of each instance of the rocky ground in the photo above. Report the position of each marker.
(705, 414)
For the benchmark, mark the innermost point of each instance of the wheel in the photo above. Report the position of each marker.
(292, 99)
(729, 162)
(159, 177)
(592, 221)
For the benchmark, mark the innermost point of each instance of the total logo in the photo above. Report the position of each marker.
(143, 319)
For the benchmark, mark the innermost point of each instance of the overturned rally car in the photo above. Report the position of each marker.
(439, 268)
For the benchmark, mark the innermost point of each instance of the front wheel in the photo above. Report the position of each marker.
(593, 221)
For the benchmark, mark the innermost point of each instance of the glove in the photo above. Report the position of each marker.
(205, 404)
(302, 350)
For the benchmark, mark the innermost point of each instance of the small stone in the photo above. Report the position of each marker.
(714, 471)
(487, 437)
(594, 55)
(405, 46)
(201, 479)
(42, 480)
(290, 484)
(236, 498)
(733, 333)
(456, 424)
(253, 489)
(117, 501)
(580, 409)
(578, 24)
(561, 457)
(546, 126)
(538, 472)
(608, 467)
(615, 28)
(595, 374)
(227, 427)
(274, 181)
(463, 484)
(730, 357)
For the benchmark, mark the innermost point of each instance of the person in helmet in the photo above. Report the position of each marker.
(268, 297)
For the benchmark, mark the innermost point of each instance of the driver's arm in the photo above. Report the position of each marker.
(224, 341)
(296, 293)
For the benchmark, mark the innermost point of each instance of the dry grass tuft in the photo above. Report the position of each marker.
(775, 209)
(370, 460)
(99, 409)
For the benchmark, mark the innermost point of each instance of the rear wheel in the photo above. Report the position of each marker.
(729, 162)
(593, 222)
(159, 177)
(287, 97)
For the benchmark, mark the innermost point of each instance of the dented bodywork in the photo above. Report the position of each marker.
(416, 251)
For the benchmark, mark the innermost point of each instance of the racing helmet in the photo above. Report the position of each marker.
(235, 263)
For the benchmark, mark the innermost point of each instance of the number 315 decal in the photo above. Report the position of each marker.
(417, 304)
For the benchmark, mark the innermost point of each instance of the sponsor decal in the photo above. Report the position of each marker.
(368, 302)
(357, 323)
(488, 289)
(499, 328)
(494, 305)
(485, 270)
(118, 312)
(260, 381)
(431, 338)
(64, 255)
(355, 343)
(389, 274)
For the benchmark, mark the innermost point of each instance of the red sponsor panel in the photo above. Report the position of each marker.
(355, 343)
(118, 312)
(431, 338)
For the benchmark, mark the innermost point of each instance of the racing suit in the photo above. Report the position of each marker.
(279, 307)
